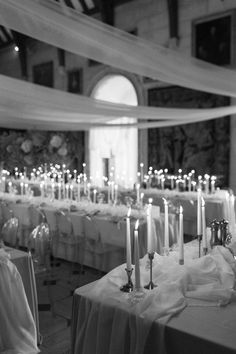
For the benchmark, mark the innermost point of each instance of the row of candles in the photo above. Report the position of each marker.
(181, 182)
(153, 178)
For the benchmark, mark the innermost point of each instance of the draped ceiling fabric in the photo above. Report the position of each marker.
(28, 105)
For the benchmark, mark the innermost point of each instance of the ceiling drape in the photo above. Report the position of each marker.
(77, 33)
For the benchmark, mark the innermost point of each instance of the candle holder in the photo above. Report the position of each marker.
(150, 285)
(128, 287)
(199, 237)
(136, 296)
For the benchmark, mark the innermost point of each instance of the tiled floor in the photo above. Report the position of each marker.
(54, 323)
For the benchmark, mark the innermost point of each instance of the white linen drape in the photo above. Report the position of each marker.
(83, 35)
(31, 106)
(28, 106)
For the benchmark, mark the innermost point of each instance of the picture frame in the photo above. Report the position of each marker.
(43, 74)
(74, 83)
(213, 38)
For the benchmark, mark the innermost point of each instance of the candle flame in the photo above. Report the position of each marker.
(165, 201)
(150, 200)
(181, 209)
(136, 225)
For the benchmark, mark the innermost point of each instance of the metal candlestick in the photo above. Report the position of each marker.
(199, 237)
(128, 287)
(150, 285)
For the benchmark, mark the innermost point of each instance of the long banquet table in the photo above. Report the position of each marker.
(84, 233)
(192, 311)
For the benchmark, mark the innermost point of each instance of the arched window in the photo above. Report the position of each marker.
(114, 151)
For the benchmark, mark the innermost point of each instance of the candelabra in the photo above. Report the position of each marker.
(128, 287)
(150, 285)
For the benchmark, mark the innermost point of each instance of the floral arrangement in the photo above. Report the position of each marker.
(34, 148)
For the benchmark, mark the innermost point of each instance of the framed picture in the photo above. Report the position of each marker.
(75, 81)
(43, 74)
(213, 38)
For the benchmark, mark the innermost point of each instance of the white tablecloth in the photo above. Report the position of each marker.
(191, 311)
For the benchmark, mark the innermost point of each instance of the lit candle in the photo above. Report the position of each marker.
(150, 246)
(128, 241)
(138, 192)
(141, 198)
(207, 177)
(199, 212)
(67, 191)
(71, 191)
(181, 236)
(136, 257)
(166, 226)
(59, 191)
(78, 189)
(213, 178)
(141, 172)
(189, 181)
(116, 193)
(88, 186)
(21, 188)
(94, 195)
(204, 237)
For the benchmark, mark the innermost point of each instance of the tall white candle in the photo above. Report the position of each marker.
(166, 225)
(59, 190)
(204, 236)
(136, 257)
(94, 195)
(138, 192)
(116, 193)
(141, 172)
(199, 212)
(150, 246)
(181, 236)
(128, 241)
(78, 189)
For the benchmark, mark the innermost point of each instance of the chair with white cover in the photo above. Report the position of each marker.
(18, 334)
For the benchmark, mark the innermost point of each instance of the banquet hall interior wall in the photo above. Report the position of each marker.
(148, 19)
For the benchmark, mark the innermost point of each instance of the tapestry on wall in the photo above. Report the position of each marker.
(31, 149)
(203, 146)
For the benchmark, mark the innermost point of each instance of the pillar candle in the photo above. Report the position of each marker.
(166, 226)
(149, 227)
(199, 212)
(128, 241)
(181, 236)
(136, 257)
(204, 237)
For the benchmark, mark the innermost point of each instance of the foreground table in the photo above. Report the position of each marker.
(106, 321)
